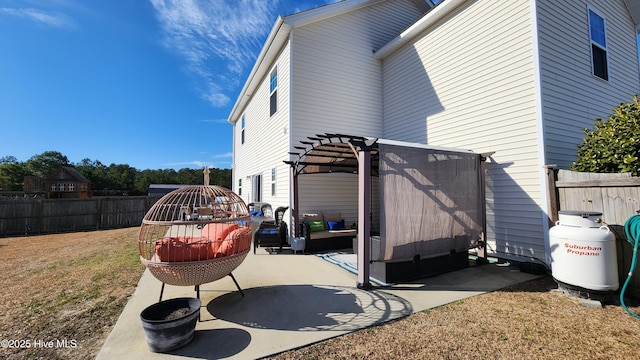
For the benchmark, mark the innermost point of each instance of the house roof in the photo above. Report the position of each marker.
(71, 171)
(446, 7)
(633, 6)
(279, 36)
(430, 18)
(283, 26)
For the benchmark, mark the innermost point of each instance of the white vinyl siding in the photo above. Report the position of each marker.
(469, 83)
(266, 142)
(336, 86)
(572, 97)
(330, 193)
(335, 79)
(482, 78)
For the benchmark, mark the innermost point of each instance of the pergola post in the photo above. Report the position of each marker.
(364, 221)
(294, 216)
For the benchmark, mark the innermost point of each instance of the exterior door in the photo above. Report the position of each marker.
(256, 186)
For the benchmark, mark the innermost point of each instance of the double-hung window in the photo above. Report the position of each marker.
(273, 91)
(242, 130)
(598, 37)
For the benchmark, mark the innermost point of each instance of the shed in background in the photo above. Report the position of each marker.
(67, 183)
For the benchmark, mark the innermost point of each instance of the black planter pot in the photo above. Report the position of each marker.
(166, 327)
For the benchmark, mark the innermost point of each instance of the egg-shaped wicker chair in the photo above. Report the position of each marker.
(195, 235)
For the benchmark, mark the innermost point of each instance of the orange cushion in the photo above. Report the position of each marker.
(183, 248)
(218, 231)
(236, 242)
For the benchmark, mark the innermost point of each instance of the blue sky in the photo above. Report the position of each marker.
(148, 83)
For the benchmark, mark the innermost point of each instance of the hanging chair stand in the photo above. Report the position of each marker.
(195, 273)
(195, 235)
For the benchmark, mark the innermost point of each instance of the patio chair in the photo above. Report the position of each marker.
(270, 231)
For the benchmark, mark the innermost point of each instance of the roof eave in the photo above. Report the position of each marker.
(418, 27)
(327, 11)
(278, 37)
(633, 6)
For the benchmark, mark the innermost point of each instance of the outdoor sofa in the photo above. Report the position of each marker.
(326, 231)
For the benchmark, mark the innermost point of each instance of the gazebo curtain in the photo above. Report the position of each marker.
(430, 202)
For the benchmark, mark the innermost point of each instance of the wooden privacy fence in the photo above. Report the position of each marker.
(28, 216)
(616, 196)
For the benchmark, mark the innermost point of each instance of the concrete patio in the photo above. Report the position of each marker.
(291, 301)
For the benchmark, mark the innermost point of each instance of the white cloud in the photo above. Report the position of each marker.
(215, 97)
(215, 121)
(46, 18)
(192, 164)
(225, 155)
(218, 39)
(202, 164)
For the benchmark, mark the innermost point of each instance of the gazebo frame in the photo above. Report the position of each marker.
(328, 153)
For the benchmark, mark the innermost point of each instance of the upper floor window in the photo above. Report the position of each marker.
(240, 187)
(598, 36)
(273, 90)
(242, 130)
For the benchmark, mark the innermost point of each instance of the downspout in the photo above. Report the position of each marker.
(293, 177)
(234, 181)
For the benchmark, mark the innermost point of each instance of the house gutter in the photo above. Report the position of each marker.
(439, 12)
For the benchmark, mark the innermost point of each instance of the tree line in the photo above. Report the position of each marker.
(111, 179)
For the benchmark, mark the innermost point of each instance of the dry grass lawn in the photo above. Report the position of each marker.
(65, 287)
(73, 287)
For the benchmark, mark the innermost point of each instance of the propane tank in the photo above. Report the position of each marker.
(583, 251)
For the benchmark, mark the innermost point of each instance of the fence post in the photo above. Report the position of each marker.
(99, 219)
(552, 194)
(39, 215)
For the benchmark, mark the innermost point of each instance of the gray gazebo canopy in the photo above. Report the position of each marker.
(431, 198)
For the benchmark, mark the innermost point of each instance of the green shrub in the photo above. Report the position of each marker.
(613, 146)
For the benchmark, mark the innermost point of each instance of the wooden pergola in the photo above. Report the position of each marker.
(328, 153)
(340, 153)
